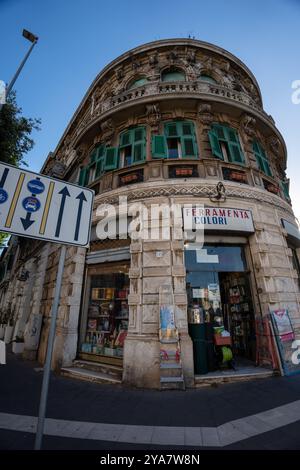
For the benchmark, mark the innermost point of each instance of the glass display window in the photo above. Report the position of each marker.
(107, 314)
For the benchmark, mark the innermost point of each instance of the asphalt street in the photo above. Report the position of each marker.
(207, 408)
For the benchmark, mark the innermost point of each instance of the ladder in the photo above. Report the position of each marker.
(171, 376)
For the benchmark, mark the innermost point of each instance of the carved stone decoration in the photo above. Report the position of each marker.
(56, 168)
(119, 73)
(225, 66)
(153, 114)
(208, 63)
(280, 169)
(247, 124)
(173, 56)
(135, 63)
(95, 101)
(153, 59)
(274, 144)
(81, 152)
(198, 191)
(205, 114)
(191, 56)
(107, 129)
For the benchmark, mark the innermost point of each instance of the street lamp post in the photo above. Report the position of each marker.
(33, 39)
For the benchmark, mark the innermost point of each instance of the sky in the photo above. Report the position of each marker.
(77, 38)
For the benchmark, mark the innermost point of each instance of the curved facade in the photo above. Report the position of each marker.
(164, 124)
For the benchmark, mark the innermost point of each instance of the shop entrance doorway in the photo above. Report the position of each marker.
(220, 308)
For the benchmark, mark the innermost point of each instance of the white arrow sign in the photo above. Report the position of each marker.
(36, 206)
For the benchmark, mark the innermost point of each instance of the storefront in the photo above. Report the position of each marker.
(220, 309)
(104, 323)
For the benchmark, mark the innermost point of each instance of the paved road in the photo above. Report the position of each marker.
(261, 414)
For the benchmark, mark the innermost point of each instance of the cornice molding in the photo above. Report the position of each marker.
(194, 190)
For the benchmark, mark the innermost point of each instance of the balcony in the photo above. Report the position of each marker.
(153, 90)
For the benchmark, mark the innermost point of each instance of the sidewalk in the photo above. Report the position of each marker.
(145, 419)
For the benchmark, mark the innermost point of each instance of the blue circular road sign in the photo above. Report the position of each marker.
(31, 204)
(3, 196)
(36, 186)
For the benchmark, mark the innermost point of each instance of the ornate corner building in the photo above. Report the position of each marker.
(163, 124)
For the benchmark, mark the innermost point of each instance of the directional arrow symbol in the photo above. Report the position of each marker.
(81, 198)
(27, 221)
(65, 193)
(3, 177)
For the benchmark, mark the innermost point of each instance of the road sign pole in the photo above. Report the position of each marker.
(47, 366)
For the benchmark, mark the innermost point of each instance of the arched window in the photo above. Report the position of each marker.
(207, 78)
(137, 82)
(172, 76)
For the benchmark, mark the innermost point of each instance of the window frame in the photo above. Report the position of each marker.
(182, 139)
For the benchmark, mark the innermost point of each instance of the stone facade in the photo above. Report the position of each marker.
(111, 106)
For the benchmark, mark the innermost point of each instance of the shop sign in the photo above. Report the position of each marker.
(218, 218)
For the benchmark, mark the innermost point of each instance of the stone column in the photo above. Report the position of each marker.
(65, 344)
(34, 316)
(276, 278)
(154, 263)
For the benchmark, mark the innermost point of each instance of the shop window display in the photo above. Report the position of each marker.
(107, 319)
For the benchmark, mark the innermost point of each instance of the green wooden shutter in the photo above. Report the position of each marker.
(220, 131)
(159, 146)
(266, 164)
(139, 145)
(215, 145)
(126, 138)
(99, 168)
(188, 147)
(235, 151)
(82, 177)
(111, 158)
(285, 190)
(172, 129)
(100, 152)
(188, 140)
(93, 155)
(261, 158)
(187, 128)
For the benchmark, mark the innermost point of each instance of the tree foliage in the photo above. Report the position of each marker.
(15, 132)
(15, 138)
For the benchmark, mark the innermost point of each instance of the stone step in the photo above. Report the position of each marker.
(114, 371)
(169, 341)
(88, 375)
(170, 370)
(170, 365)
(172, 383)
